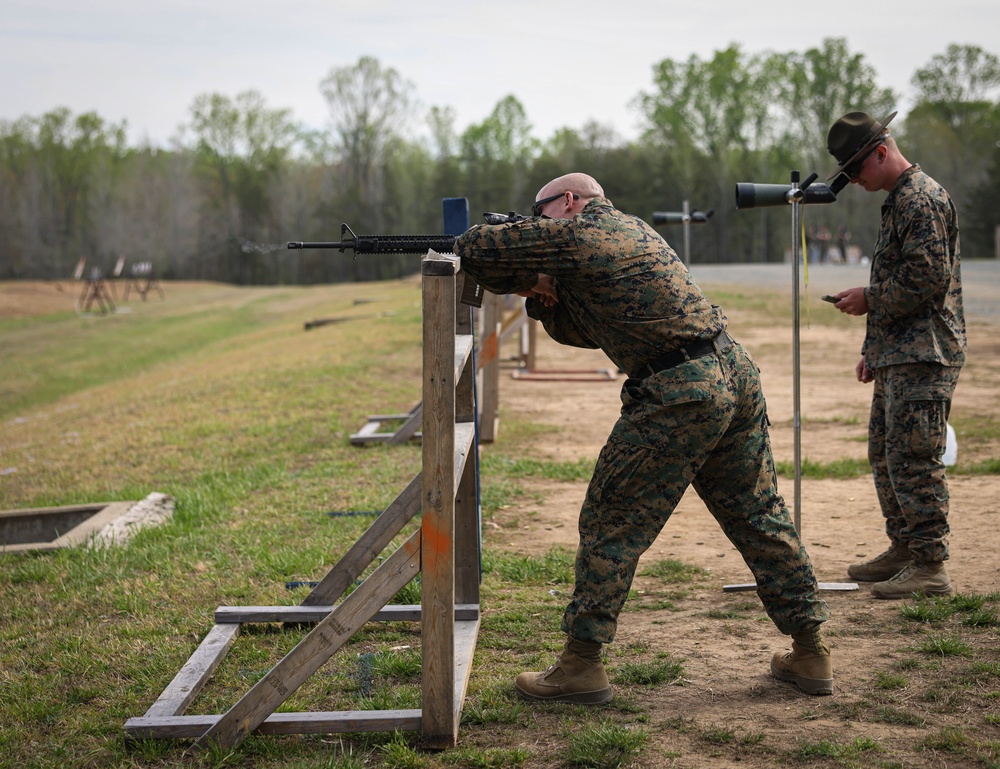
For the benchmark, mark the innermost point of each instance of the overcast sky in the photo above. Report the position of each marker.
(567, 62)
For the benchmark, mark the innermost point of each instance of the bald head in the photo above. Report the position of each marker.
(579, 184)
(566, 196)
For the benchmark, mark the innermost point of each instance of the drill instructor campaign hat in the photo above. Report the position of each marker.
(852, 135)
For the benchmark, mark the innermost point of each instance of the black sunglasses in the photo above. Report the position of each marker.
(536, 207)
(855, 168)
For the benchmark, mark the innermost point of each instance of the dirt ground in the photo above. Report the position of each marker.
(726, 664)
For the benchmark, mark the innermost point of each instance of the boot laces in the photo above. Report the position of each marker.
(905, 573)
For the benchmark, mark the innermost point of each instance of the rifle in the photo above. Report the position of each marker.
(472, 292)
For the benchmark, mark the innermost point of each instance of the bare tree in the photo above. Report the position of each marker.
(369, 106)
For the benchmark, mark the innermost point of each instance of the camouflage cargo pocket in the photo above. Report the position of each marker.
(924, 420)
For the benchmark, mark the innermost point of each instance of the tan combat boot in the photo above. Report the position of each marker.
(807, 665)
(577, 676)
(917, 578)
(883, 566)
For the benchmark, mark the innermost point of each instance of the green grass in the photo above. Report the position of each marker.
(650, 673)
(842, 469)
(507, 468)
(605, 746)
(555, 567)
(219, 398)
(847, 468)
(673, 571)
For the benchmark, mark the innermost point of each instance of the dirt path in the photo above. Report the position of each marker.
(726, 661)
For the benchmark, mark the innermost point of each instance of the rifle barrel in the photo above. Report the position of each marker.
(320, 244)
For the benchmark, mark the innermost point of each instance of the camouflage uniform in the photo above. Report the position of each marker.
(622, 288)
(915, 345)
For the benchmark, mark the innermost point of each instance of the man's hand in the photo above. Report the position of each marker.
(852, 301)
(544, 290)
(862, 371)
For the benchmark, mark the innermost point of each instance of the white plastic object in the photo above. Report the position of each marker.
(951, 448)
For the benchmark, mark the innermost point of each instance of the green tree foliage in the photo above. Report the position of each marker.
(496, 157)
(241, 178)
(952, 131)
(983, 239)
(53, 168)
(240, 147)
(713, 116)
(815, 88)
(818, 86)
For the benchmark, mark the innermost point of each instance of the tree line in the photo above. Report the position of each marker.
(241, 178)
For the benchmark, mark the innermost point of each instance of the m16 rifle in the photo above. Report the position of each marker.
(472, 292)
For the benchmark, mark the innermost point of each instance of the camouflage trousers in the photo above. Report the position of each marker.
(704, 423)
(907, 433)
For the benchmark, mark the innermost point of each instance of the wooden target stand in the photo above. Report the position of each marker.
(445, 551)
(95, 289)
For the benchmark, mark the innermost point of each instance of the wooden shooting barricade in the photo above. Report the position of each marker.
(527, 369)
(497, 328)
(445, 551)
(375, 430)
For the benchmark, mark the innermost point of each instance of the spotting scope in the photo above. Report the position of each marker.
(750, 195)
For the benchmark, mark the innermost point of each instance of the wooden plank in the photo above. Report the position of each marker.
(225, 615)
(359, 440)
(316, 648)
(468, 539)
(465, 436)
(833, 586)
(466, 560)
(410, 427)
(440, 728)
(489, 362)
(196, 671)
(367, 431)
(326, 722)
(466, 634)
(516, 321)
(368, 546)
(463, 353)
(567, 375)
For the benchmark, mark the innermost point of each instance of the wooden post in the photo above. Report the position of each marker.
(438, 524)
(489, 352)
(532, 341)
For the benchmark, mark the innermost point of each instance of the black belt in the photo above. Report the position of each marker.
(683, 354)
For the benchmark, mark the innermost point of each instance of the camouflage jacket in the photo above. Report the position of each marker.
(915, 291)
(620, 286)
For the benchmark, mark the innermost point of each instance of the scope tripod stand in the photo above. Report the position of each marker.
(796, 197)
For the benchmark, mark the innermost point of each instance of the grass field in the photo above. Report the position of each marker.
(218, 397)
